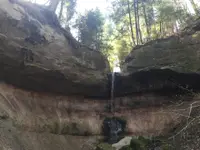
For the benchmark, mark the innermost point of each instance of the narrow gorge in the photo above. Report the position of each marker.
(55, 94)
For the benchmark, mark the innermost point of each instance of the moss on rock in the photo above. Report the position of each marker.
(105, 146)
(143, 143)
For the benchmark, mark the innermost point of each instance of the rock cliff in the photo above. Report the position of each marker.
(37, 54)
(35, 120)
(54, 90)
(179, 53)
(163, 65)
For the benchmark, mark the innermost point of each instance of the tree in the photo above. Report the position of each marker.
(195, 7)
(53, 5)
(130, 21)
(67, 11)
(138, 22)
(61, 9)
(146, 20)
(133, 22)
(135, 4)
(90, 28)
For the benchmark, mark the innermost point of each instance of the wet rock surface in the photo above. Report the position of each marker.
(113, 129)
(163, 82)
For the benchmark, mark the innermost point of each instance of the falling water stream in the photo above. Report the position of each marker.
(113, 125)
(112, 92)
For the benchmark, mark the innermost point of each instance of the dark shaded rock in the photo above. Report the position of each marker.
(36, 53)
(165, 82)
(113, 129)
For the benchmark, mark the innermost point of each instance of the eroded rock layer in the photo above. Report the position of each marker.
(44, 117)
(42, 112)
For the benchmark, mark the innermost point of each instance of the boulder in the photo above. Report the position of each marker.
(177, 53)
(163, 65)
(36, 53)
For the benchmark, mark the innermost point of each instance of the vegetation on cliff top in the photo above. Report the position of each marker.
(125, 24)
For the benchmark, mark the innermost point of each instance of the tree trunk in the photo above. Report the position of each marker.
(136, 23)
(146, 20)
(53, 5)
(160, 28)
(61, 9)
(130, 23)
(194, 6)
(152, 16)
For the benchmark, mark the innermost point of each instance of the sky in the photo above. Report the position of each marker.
(83, 5)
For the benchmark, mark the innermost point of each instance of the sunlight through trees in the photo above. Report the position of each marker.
(128, 23)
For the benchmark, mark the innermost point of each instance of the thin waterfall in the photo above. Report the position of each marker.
(112, 92)
(113, 126)
(116, 69)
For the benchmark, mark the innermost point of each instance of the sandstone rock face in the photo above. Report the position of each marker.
(37, 54)
(34, 120)
(41, 112)
(12, 138)
(163, 65)
(178, 53)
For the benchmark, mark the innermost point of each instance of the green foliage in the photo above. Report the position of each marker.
(104, 146)
(90, 28)
(70, 5)
(66, 12)
(136, 144)
(96, 33)
(126, 148)
(143, 143)
(117, 37)
(117, 34)
(157, 19)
